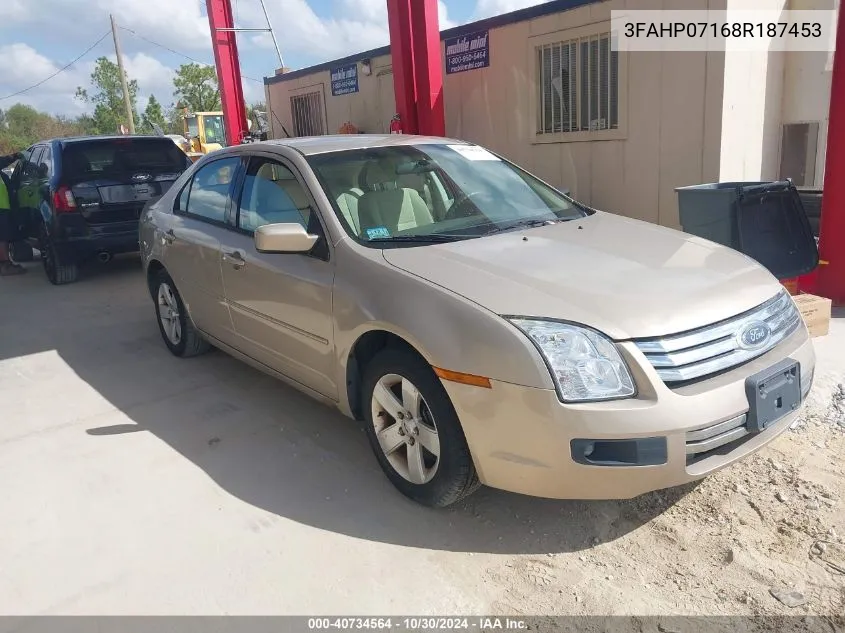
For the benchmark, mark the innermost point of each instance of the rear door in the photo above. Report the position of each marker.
(191, 244)
(112, 179)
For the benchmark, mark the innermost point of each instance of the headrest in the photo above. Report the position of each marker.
(379, 176)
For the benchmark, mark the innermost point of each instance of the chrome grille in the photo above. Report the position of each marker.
(690, 356)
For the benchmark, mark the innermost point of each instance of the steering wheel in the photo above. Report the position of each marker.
(460, 208)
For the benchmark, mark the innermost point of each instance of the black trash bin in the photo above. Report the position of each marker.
(764, 220)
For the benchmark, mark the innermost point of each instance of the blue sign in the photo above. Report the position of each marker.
(344, 80)
(467, 52)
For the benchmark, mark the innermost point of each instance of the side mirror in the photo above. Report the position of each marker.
(284, 238)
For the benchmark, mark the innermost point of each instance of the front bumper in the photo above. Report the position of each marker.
(520, 437)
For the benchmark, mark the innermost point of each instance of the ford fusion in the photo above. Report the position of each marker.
(487, 328)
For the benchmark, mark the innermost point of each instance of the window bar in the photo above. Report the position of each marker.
(589, 86)
(609, 80)
(572, 78)
(557, 112)
(543, 90)
(553, 50)
(599, 61)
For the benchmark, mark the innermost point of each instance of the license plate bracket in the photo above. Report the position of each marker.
(772, 394)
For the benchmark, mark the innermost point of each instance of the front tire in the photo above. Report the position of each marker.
(414, 430)
(174, 323)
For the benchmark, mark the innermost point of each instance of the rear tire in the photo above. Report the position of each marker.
(175, 324)
(21, 252)
(58, 272)
(442, 476)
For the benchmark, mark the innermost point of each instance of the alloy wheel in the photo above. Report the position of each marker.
(168, 313)
(405, 429)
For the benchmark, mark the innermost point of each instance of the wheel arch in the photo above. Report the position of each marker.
(362, 351)
(154, 267)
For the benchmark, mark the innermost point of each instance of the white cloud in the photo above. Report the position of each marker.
(23, 66)
(179, 24)
(13, 11)
(489, 8)
(153, 77)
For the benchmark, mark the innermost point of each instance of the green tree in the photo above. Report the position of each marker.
(22, 125)
(107, 97)
(175, 120)
(196, 88)
(154, 113)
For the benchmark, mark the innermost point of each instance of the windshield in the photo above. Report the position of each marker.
(408, 194)
(214, 129)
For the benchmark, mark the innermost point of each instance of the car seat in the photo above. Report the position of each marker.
(385, 204)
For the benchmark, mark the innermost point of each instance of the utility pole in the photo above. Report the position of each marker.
(123, 83)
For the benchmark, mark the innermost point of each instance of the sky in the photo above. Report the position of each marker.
(38, 37)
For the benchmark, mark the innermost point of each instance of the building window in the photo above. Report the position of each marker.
(579, 86)
(307, 110)
(799, 143)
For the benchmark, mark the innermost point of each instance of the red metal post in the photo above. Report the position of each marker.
(228, 69)
(830, 280)
(428, 68)
(402, 56)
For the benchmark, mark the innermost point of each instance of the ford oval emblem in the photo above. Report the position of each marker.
(754, 335)
(141, 177)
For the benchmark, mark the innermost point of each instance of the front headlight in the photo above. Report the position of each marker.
(586, 366)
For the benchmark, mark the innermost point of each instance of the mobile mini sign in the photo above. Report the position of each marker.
(467, 52)
(345, 80)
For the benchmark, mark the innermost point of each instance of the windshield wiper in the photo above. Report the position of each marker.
(523, 224)
(434, 237)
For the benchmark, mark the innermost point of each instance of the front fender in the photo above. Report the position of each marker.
(448, 330)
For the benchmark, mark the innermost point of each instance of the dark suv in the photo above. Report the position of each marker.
(80, 198)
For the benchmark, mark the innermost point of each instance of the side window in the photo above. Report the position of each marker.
(20, 168)
(272, 195)
(181, 205)
(209, 191)
(45, 163)
(30, 168)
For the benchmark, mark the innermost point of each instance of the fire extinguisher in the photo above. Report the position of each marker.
(396, 124)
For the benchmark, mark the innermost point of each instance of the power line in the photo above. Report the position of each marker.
(60, 70)
(167, 48)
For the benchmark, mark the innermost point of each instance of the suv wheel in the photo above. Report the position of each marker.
(58, 272)
(21, 252)
(414, 430)
(174, 323)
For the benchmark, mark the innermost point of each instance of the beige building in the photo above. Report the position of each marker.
(619, 130)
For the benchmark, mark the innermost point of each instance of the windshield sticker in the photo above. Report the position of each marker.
(473, 152)
(379, 231)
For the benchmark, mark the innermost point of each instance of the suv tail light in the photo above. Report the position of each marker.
(63, 201)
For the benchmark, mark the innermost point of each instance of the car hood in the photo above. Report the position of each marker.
(624, 277)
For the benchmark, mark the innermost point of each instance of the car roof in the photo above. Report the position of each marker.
(69, 140)
(310, 145)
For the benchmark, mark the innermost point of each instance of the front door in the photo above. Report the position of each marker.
(26, 184)
(192, 241)
(281, 304)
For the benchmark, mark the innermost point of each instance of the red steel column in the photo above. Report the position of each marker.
(830, 281)
(428, 68)
(228, 69)
(402, 56)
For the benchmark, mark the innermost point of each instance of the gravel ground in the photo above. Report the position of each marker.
(132, 482)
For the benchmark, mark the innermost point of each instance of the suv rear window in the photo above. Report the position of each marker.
(90, 159)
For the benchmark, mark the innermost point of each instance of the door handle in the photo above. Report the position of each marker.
(169, 237)
(235, 259)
